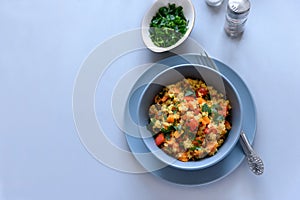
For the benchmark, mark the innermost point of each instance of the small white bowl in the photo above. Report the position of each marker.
(188, 11)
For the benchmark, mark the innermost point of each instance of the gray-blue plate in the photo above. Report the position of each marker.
(215, 172)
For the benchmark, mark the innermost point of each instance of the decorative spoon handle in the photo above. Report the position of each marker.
(254, 161)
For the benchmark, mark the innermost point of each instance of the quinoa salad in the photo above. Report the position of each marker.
(189, 120)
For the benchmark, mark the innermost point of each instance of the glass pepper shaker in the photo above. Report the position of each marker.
(236, 17)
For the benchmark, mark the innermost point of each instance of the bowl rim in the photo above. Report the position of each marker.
(145, 25)
(168, 160)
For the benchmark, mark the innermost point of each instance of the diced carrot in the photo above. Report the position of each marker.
(170, 119)
(164, 98)
(159, 139)
(183, 157)
(198, 138)
(201, 100)
(205, 120)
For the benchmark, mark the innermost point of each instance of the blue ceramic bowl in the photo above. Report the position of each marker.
(212, 78)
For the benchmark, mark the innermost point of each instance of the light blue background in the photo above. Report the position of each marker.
(42, 46)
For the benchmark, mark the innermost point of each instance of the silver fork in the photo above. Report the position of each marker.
(205, 60)
(254, 161)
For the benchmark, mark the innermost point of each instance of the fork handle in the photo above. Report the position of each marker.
(245, 143)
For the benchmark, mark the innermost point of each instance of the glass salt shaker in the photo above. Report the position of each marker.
(214, 2)
(236, 17)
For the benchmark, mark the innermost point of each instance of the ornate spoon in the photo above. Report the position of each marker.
(254, 161)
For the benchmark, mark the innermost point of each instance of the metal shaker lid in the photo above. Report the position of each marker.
(239, 6)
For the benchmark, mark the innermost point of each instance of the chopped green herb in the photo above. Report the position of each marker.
(206, 108)
(168, 130)
(168, 26)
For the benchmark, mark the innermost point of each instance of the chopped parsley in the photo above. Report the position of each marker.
(206, 108)
(168, 25)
